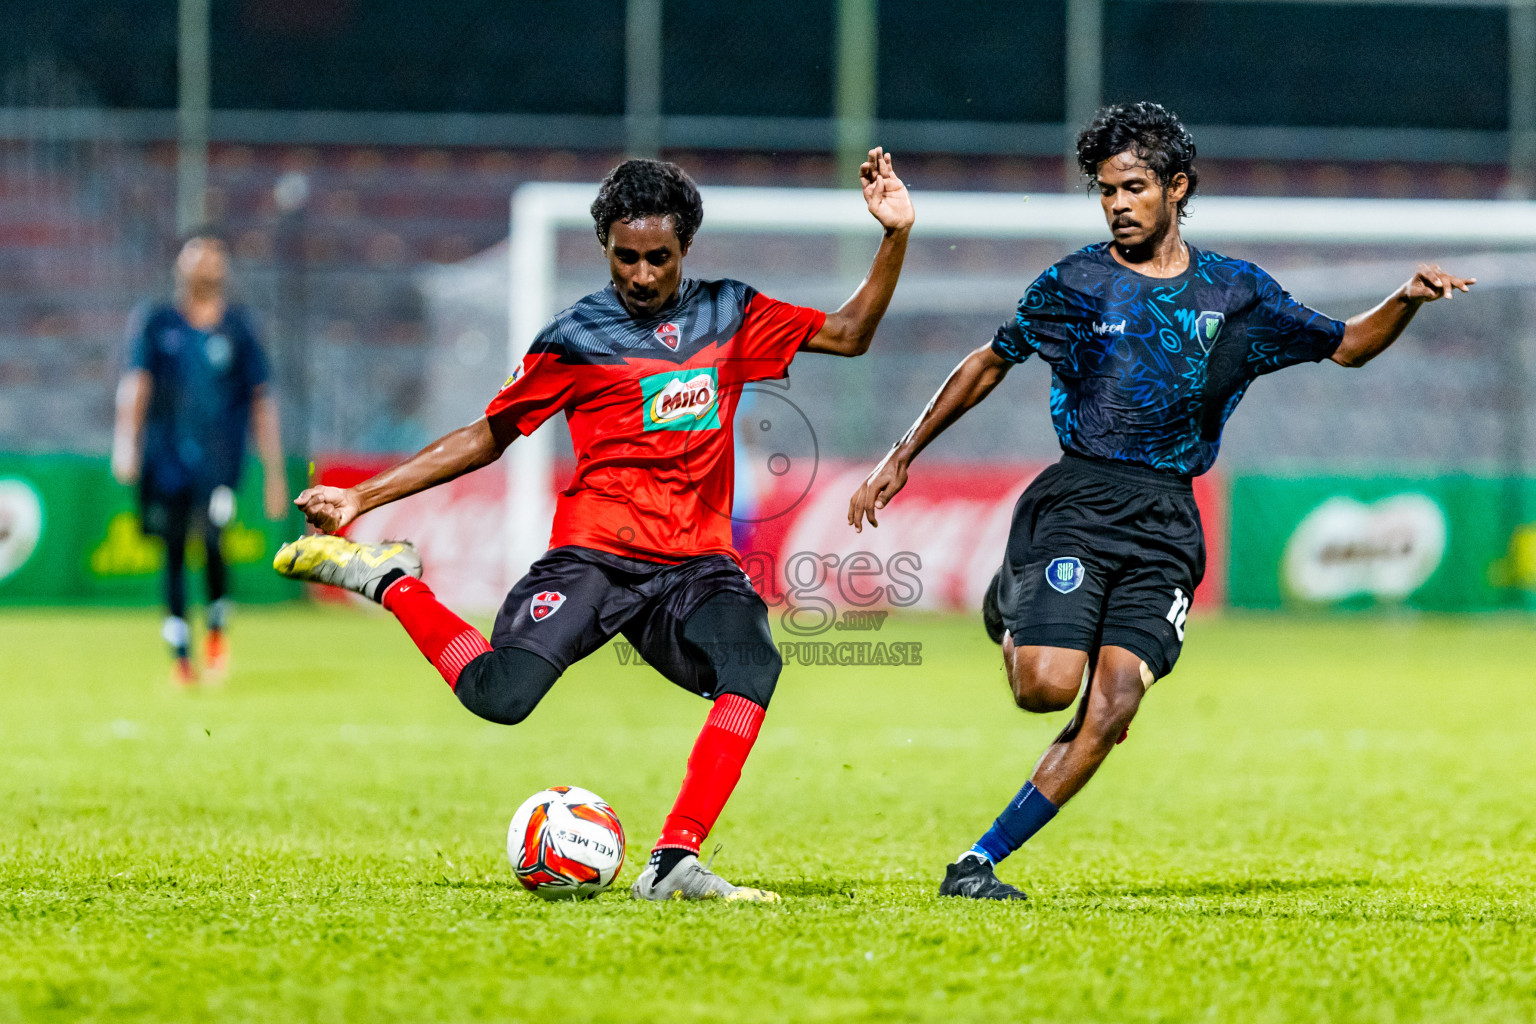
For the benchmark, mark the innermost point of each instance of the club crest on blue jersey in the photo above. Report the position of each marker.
(1208, 327)
(1064, 574)
(669, 335)
(219, 351)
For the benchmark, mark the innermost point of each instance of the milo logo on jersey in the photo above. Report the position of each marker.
(681, 400)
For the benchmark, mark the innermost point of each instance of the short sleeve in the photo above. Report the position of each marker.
(771, 333)
(539, 387)
(1045, 317)
(1282, 332)
(136, 344)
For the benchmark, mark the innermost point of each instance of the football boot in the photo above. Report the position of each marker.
(215, 656)
(338, 562)
(972, 877)
(183, 673)
(690, 880)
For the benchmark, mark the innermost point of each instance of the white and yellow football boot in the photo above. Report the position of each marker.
(361, 568)
(690, 880)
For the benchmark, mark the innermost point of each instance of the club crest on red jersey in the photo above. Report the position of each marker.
(669, 335)
(545, 604)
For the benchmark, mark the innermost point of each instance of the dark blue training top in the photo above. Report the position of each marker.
(1147, 369)
(201, 387)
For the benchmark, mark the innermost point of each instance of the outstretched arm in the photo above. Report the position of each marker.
(849, 331)
(452, 455)
(1368, 334)
(965, 387)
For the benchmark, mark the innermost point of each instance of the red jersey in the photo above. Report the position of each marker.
(650, 403)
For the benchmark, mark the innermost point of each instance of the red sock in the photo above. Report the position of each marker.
(448, 641)
(714, 768)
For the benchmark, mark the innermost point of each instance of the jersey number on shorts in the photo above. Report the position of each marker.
(1179, 612)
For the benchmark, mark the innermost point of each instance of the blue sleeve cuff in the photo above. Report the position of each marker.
(1339, 327)
(1011, 344)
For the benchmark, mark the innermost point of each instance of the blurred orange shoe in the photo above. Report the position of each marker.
(215, 656)
(182, 673)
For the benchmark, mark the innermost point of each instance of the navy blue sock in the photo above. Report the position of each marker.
(1026, 815)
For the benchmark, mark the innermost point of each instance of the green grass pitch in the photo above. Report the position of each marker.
(1311, 821)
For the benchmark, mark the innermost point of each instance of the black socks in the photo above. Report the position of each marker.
(665, 858)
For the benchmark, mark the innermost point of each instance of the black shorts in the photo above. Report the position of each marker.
(173, 516)
(1103, 553)
(574, 600)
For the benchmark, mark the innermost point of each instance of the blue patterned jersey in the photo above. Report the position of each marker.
(1147, 369)
(202, 384)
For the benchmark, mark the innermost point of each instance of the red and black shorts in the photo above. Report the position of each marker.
(574, 600)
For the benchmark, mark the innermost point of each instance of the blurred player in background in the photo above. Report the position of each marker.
(1151, 344)
(195, 382)
(648, 372)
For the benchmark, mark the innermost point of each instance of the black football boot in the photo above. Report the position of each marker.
(972, 877)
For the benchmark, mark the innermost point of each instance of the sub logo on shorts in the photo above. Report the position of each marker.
(545, 604)
(1064, 575)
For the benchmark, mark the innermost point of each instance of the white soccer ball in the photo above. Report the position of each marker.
(565, 843)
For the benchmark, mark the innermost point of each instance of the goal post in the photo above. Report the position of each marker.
(1351, 230)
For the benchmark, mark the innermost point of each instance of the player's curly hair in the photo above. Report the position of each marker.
(1150, 130)
(648, 188)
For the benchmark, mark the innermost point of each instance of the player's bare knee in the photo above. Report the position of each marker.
(1039, 686)
(1042, 698)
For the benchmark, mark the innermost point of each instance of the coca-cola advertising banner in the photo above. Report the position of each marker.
(938, 543)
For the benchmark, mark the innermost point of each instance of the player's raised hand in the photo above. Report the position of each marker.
(328, 508)
(883, 484)
(1431, 283)
(884, 192)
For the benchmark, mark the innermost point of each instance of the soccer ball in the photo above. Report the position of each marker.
(565, 843)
